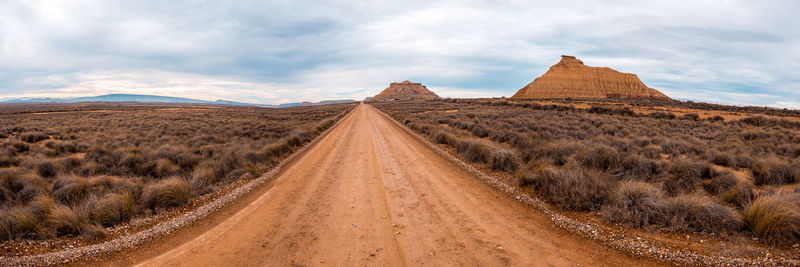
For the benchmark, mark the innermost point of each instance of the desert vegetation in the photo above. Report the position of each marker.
(660, 170)
(74, 170)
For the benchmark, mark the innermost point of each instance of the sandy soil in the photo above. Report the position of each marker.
(369, 193)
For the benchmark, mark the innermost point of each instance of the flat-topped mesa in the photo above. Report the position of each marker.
(405, 90)
(407, 83)
(570, 60)
(570, 78)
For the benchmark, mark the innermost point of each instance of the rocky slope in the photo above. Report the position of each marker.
(405, 91)
(571, 78)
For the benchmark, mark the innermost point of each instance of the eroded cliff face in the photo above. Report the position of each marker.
(405, 90)
(571, 78)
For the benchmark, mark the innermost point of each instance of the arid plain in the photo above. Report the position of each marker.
(612, 172)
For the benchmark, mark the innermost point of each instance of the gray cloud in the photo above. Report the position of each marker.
(739, 52)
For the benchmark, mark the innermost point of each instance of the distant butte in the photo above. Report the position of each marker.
(405, 90)
(570, 78)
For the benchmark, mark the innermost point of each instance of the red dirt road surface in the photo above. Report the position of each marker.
(370, 193)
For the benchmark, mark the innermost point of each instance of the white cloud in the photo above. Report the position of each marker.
(280, 51)
(154, 83)
(784, 104)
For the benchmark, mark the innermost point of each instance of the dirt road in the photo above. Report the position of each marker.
(369, 193)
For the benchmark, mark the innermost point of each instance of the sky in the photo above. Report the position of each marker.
(729, 52)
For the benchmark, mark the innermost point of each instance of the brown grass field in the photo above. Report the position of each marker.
(76, 169)
(661, 166)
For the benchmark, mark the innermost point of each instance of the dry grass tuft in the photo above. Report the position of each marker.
(772, 171)
(775, 217)
(636, 203)
(70, 190)
(695, 213)
(17, 222)
(113, 209)
(168, 193)
(572, 188)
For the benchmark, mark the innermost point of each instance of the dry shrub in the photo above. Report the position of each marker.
(475, 150)
(5, 195)
(30, 186)
(479, 130)
(70, 190)
(442, 137)
(66, 221)
(167, 151)
(112, 209)
(229, 160)
(775, 217)
(772, 171)
(755, 120)
(323, 125)
(571, 188)
(100, 185)
(165, 168)
(34, 137)
(92, 168)
(20, 147)
(721, 182)
(716, 118)
(641, 168)
(599, 157)
(504, 160)
(675, 147)
(94, 231)
(744, 161)
(662, 115)
(41, 205)
(132, 163)
(740, 195)
(59, 148)
(723, 159)
(167, 193)
(651, 151)
(527, 174)
(46, 169)
(202, 178)
(8, 159)
(299, 139)
(757, 134)
(691, 116)
(187, 161)
(558, 151)
(69, 163)
(636, 203)
(789, 150)
(686, 174)
(695, 213)
(17, 222)
(481, 151)
(274, 151)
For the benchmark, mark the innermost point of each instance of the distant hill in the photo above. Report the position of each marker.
(571, 78)
(306, 103)
(158, 99)
(120, 98)
(405, 90)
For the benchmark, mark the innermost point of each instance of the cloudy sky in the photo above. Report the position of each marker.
(735, 52)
